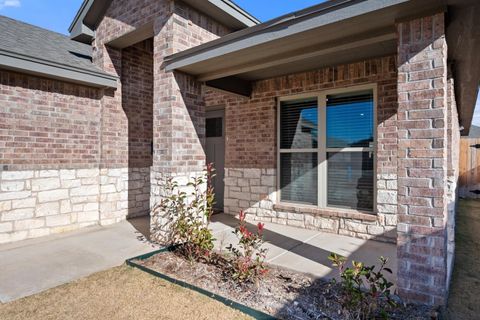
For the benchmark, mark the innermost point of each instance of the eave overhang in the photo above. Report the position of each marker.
(43, 68)
(332, 33)
(91, 13)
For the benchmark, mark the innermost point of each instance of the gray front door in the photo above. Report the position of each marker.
(215, 135)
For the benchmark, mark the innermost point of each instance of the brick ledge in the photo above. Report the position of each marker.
(339, 213)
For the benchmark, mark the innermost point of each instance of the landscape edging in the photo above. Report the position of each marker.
(259, 315)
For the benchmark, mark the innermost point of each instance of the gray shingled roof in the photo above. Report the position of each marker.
(31, 41)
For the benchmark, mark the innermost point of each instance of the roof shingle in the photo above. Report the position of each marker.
(30, 41)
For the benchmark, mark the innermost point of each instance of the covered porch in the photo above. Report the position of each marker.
(395, 177)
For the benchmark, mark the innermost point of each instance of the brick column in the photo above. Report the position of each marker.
(422, 160)
(178, 125)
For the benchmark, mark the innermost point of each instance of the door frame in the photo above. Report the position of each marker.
(218, 112)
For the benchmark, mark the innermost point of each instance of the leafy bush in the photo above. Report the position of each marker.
(365, 292)
(248, 261)
(190, 216)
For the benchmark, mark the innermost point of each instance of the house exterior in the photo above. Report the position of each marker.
(344, 117)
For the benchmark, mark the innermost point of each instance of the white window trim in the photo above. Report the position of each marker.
(322, 149)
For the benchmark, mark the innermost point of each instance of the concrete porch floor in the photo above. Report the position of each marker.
(32, 266)
(307, 251)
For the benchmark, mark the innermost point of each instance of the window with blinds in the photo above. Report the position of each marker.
(299, 151)
(326, 154)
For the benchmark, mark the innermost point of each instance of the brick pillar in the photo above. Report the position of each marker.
(178, 125)
(422, 160)
(113, 174)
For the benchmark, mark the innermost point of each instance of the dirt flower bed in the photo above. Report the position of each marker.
(241, 273)
(281, 293)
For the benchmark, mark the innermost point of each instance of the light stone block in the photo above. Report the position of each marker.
(376, 230)
(267, 205)
(87, 173)
(58, 220)
(6, 227)
(5, 206)
(45, 184)
(18, 214)
(14, 195)
(387, 208)
(88, 216)
(296, 223)
(109, 188)
(12, 186)
(29, 224)
(392, 184)
(66, 174)
(47, 209)
(355, 227)
(252, 173)
(17, 175)
(259, 190)
(48, 173)
(53, 195)
(387, 197)
(65, 206)
(391, 219)
(268, 181)
(77, 207)
(85, 191)
(295, 216)
(24, 203)
(63, 229)
(89, 181)
(13, 236)
(75, 200)
(326, 223)
(67, 184)
(93, 206)
(240, 195)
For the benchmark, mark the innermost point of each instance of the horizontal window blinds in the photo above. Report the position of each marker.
(299, 124)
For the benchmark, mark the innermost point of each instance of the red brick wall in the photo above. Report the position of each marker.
(422, 165)
(47, 123)
(176, 27)
(179, 115)
(120, 18)
(193, 28)
(251, 123)
(137, 100)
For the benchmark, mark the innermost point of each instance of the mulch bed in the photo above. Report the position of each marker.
(282, 293)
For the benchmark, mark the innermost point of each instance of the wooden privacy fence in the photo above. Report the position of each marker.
(469, 174)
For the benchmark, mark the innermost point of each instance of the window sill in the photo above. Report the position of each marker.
(326, 212)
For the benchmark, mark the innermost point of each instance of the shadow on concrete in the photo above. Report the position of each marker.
(142, 227)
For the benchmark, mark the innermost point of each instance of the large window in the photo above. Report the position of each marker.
(326, 154)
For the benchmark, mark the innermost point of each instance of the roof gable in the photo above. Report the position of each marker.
(226, 12)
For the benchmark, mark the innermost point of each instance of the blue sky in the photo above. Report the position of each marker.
(57, 15)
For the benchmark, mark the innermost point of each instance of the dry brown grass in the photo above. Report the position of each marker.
(118, 293)
(464, 300)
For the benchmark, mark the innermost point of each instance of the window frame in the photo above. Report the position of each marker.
(322, 149)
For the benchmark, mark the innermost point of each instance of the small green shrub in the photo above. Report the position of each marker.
(248, 261)
(190, 216)
(366, 293)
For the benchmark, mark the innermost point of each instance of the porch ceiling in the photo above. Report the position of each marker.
(331, 33)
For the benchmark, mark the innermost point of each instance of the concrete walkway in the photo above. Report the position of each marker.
(31, 266)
